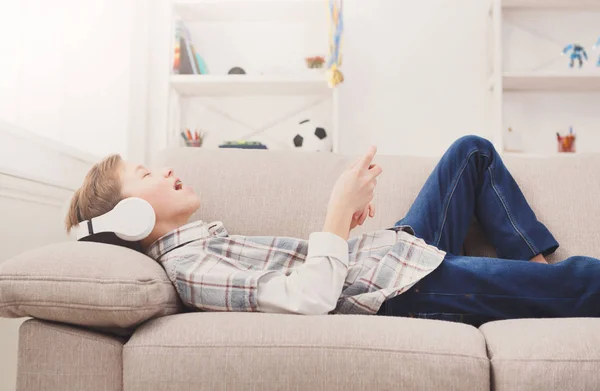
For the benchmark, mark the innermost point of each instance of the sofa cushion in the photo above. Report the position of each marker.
(239, 351)
(544, 354)
(88, 284)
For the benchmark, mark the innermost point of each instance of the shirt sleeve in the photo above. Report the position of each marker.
(313, 288)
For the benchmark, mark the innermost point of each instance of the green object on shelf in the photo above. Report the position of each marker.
(201, 65)
(242, 142)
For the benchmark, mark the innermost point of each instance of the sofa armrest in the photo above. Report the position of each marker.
(55, 357)
(88, 284)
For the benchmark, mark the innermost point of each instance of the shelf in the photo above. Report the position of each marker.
(552, 82)
(251, 10)
(248, 85)
(565, 4)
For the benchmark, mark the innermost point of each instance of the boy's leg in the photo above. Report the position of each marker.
(476, 290)
(471, 180)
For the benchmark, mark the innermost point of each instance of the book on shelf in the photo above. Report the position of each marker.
(186, 60)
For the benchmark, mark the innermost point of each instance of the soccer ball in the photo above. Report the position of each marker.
(312, 138)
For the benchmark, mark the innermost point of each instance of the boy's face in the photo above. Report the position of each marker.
(172, 200)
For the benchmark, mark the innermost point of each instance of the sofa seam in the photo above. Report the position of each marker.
(38, 303)
(9, 277)
(486, 359)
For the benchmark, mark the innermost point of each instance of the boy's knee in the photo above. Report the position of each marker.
(472, 142)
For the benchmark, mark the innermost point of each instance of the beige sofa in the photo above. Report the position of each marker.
(108, 318)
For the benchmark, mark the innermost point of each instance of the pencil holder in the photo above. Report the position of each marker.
(567, 144)
(193, 143)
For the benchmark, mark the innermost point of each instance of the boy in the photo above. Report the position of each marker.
(412, 269)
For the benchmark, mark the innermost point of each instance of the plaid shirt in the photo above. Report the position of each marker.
(214, 271)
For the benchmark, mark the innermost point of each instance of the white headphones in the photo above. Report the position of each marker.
(131, 220)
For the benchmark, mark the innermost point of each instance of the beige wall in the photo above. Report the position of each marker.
(37, 178)
(416, 75)
(46, 112)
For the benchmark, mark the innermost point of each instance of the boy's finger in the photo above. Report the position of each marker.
(366, 213)
(366, 160)
(371, 210)
(363, 218)
(375, 171)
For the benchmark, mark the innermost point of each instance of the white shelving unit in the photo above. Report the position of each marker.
(201, 16)
(541, 4)
(501, 81)
(248, 10)
(551, 82)
(248, 85)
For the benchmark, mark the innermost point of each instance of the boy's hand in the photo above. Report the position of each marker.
(351, 194)
(359, 218)
(354, 189)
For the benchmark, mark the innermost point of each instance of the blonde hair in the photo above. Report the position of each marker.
(99, 194)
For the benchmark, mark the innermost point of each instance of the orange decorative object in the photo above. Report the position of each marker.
(315, 62)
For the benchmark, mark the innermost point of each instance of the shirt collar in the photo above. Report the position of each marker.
(184, 235)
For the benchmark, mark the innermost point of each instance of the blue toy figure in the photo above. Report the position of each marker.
(596, 47)
(577, 53)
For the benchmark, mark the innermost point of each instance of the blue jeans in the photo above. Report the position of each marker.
(472, 181)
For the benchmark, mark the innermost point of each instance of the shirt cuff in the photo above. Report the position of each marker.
(327, 244)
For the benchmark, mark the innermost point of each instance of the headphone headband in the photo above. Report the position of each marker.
(131, 220)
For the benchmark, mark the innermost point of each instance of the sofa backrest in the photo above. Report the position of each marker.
(286, 193)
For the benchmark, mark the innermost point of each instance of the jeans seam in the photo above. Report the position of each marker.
(447, 204)
(531, 246)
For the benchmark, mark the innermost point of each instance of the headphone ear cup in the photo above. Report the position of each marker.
(134, 219)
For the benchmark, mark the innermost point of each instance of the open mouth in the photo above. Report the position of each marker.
(178, 185)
